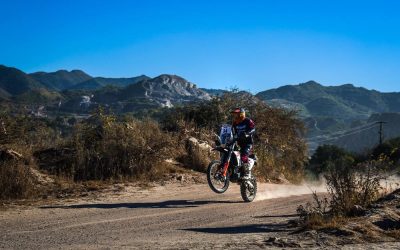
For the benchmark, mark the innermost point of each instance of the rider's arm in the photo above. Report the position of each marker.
(252, 131)
(251, 128)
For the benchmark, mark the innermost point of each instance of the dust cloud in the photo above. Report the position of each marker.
(286, 190)
(388, 185)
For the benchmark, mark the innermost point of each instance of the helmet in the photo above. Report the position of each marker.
(238, 110)
(239, 114)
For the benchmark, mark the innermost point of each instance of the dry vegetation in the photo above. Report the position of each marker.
(107, 147)
(378, 222)
(279, 142)
(16, 180)
(19, 137)
(357, 206)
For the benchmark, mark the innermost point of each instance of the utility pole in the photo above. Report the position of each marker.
(380, 131)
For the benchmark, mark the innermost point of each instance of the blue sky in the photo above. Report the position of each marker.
(254, 45)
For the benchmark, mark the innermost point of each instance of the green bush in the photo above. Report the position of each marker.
(389, 149)
(323, 158)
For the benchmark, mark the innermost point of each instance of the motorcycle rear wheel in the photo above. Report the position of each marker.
(247, 192)
(217, 183)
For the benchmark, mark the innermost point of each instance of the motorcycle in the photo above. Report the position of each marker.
(230, 167)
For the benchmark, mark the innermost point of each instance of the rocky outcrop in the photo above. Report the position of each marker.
(166, 90)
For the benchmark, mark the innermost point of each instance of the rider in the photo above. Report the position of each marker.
(243, 130)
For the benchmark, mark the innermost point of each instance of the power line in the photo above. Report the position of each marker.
(343, 135)
(342, 131)
(338, 133)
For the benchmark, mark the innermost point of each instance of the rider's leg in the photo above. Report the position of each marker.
(244, 156)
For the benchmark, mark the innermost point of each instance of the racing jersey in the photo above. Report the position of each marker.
(245, 126)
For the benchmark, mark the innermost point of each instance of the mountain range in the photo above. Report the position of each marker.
(344, 115)
(345, 102)
(14, 81)
(325, 110)
(71, 88)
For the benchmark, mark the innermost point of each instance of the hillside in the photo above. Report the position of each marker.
(75, 91)
(341, 115)
(367, 136)
(167, 87)
(345, 102)
(99, 82)
(214, 92)
(14, 82)
(149, 93)
(61, 79)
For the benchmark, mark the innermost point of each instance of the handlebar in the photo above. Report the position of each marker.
(219, 148)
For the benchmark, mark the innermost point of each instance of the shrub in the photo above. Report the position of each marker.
(389, 149)
(323, 158)
(315, 214)
(106, 148)
(16, 181)
(27, 132)
(350, 185)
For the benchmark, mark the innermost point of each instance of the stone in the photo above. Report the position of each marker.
(357, 210)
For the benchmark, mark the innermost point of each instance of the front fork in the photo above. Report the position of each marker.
(227, 162)
(225, 169)
(250, 185)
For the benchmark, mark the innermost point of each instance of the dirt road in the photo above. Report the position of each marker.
(171, 216)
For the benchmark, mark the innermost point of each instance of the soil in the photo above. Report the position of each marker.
(174, 215)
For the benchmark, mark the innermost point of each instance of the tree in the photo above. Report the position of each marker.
(325, 156)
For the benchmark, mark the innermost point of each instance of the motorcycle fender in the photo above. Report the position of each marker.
(237, 155)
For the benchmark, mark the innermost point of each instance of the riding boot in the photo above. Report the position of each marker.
(247, 172)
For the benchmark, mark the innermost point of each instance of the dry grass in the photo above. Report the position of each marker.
(16, 181)
(317, 221)
(367, 231)
(100, 149)
(395, 233)
(108, 149)
(351, 186)
(314, 215)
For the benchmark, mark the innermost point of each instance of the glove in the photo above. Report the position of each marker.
(244, 136)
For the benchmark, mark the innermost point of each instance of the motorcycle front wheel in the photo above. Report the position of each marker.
(248, 189)
(216, 181)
